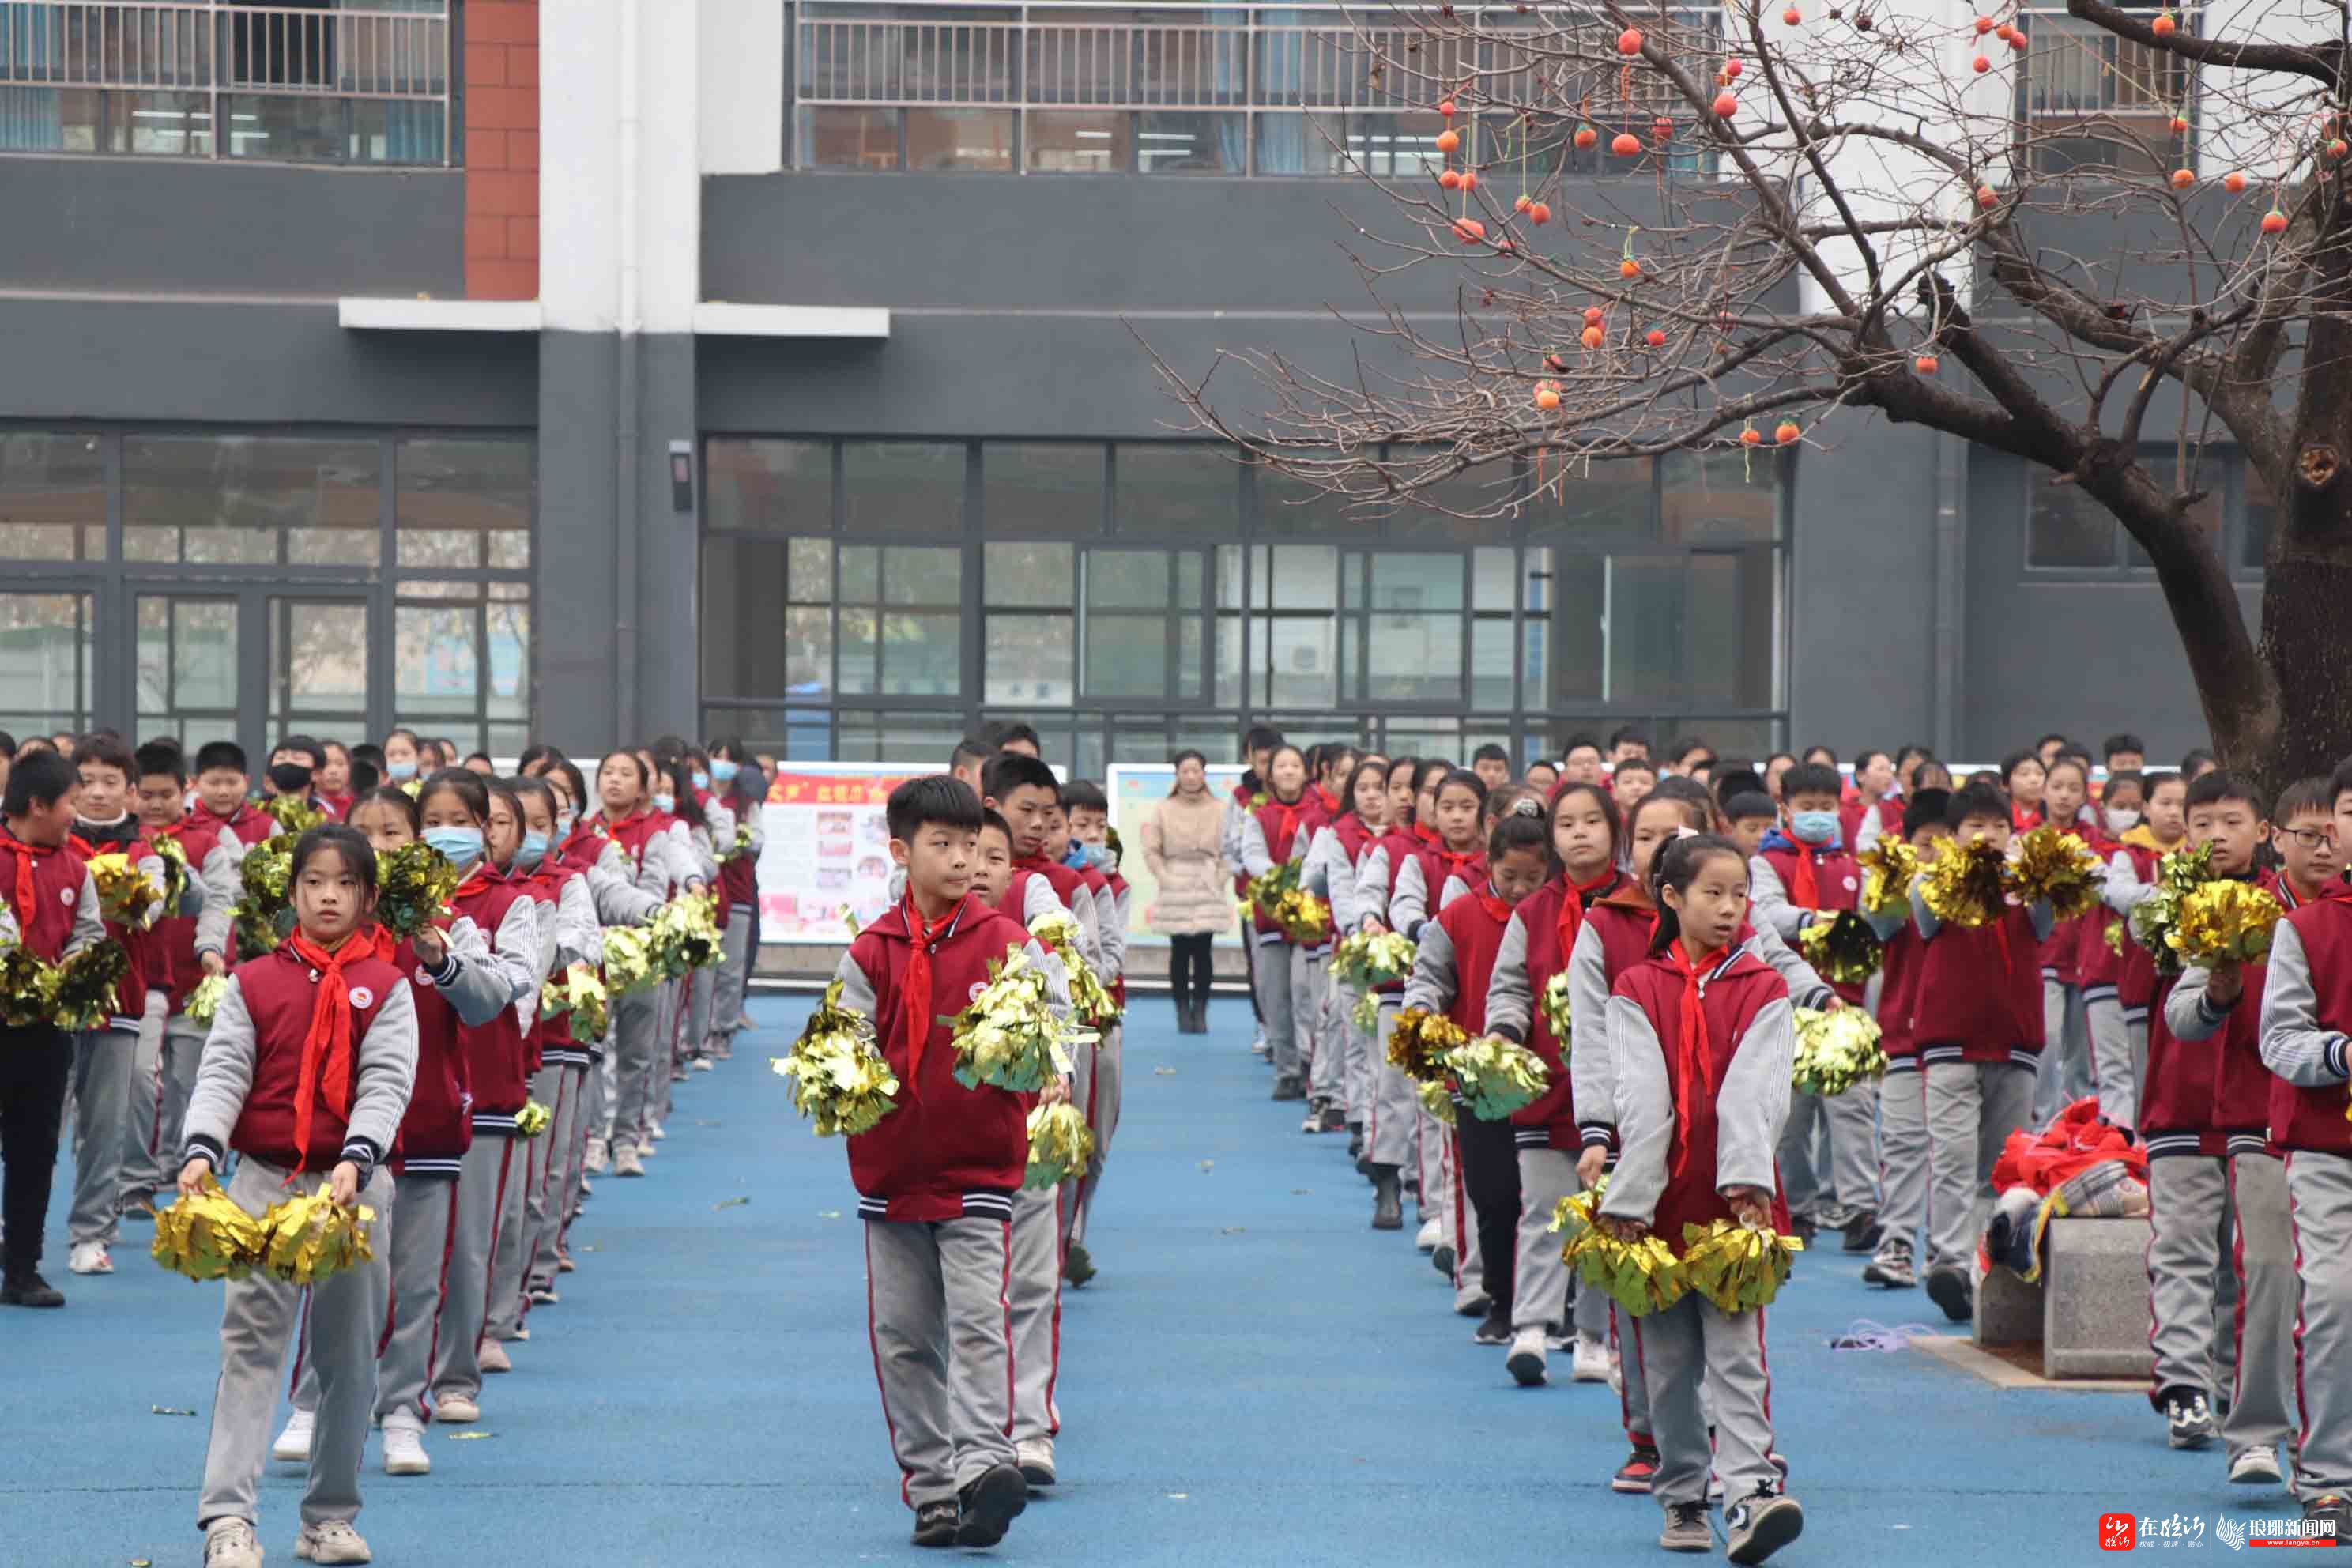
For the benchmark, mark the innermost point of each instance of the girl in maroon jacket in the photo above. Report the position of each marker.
(306, 1074)
(1276, 834)
(1585, 830)
(1701, 1034)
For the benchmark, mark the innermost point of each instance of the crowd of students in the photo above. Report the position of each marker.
(419, 1076)
(1672, 899)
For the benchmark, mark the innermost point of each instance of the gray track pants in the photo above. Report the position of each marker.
(734, 974)
(555, 1170)
(1096, 1087)
(669, 1034)
(1325, 1046)
(258, 1323)
(1357, 1072)
(1902, 1154)
(1695, 1346)
(1539, 1280)
(1034, 1295)
(1285, 1000)
(701, 989)
(1972, 1108)
(103, 1137)
(942, 1343)
(489, 1166)
(2188, 1197)
(420, 1250)
(2111, 1057)
(1634, 1397)
(1392, 1128)
(2261, 1399)
(2320, 1186)
(1851, 1184)
(160, 1080)
(2064, 1076)
(636, 1050)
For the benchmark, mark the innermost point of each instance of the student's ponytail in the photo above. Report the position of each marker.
(1678, 864)
(1522, 827)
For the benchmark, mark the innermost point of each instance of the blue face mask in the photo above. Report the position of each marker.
(702, 781)
(400, 773)
(1813, 826)
(533, 851)
(723, 771)
(462, 845)
(665, 802)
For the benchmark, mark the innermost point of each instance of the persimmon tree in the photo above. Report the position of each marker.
(1688, 231)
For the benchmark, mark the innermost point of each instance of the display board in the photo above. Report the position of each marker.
(828, 846)
(1136, 789)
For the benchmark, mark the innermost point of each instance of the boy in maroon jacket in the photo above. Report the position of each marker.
(936, 1178)
(1977, 1017)
(2306, 1010)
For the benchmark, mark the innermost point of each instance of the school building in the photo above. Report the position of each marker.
(595, 368)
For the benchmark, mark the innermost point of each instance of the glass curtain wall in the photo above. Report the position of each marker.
(874, 600)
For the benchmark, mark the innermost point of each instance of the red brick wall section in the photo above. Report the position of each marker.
(501, 85)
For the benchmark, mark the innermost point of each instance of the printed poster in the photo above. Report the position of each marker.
(828, 846)
(1135, 790)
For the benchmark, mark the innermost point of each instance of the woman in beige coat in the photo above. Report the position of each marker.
(1181, 843)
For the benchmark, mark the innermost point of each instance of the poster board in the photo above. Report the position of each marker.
(828, 844)
(1135, 789)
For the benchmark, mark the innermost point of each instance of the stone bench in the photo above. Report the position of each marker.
(2089, 1312)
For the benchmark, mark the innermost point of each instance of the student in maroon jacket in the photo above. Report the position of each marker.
(1978, 1019)
(51, 907)
(221, 803)
(1903, 1149)
(306, 1074)
(2306, 1014)
(936, 1178)
(1701, 1034)
(2221, 1010)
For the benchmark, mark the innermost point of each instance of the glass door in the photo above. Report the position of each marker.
(48, 649)
(319, 654)
(187, 667)
(240, 661)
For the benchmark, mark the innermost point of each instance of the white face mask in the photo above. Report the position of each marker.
(2121, 819)
(565, 821)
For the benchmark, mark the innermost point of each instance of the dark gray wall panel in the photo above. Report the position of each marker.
(577, 585)
(667, 544)
(132, 225)
(254, 364)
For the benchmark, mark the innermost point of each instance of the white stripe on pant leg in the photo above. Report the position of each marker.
(1740, 1400)
(2320, 1188)
(906, 1328)
(2261, 1403)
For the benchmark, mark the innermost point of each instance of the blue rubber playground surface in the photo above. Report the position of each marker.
(1255, 1377)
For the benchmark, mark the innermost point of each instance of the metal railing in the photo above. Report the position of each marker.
(2088, 100)
(211, 49)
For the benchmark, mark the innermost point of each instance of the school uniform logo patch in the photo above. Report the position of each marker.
(362, 997)
(977, 987)
(66, 895)
(1853, 884)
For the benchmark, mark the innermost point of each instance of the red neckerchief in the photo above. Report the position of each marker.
(1288, 814)
(1571, 907)
(1499, 911)
(476, 880)
(1806, 889)
(1426, 834)
(920, 935)
(1692, 1074)
(1464, 866)
(1330, 800)
(28, 857)
(82, 847)
(327, 1045)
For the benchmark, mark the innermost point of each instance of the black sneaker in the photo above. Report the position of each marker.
(1760, 1524)
(1335, 1119)
(1636, 1476)
(1494, 1329)
(2187, 1419)
(1077, 1265)
(25, 1287)
(1891, 1267)
(1441, 1258)
(935, 1524)
(2333, 1509)
(1949, 1288)
(990, 1505)
(1862, 1233)
(1289, 1089)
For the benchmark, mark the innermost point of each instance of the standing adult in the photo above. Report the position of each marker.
(1182, 839)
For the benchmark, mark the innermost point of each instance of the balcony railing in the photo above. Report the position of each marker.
(1059, 86)
(2093, 103)
(208, 79)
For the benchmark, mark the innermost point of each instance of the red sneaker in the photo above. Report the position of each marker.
(1636, 1473)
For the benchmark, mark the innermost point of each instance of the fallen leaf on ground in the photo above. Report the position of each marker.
(828, 1214)
(1163, 1072)
(1178, 1496)
(468, 1436)
(1233, 1230)
(168, 1410)
(1208, 1165)
(729, 1203)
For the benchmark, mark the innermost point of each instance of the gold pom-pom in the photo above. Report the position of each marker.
(1642, 1277)
(2225, 922)
(839, 1077)
(311, 1238)
(82, 994)
(1835, 1051)
(2154, 917)
(2054, 866)
(205, 999)
(263, 914)
(1575, 1213)
(414, 884)
(1437, 1099)
(1060, 1144)
(1497, 1076)
(629, 962)
(1366, 1014)
(293, 813)
(1556, 1009)
(1739, 1267)
(1367, 959)
(124, 895)
(1842, 949)
(581, 993)
(1058, 932)
(25, 984)
(1888, 869)
(1968, 885)
(205, 1237)
(1419, 1041)
(532, 1118)
(1009, 1037)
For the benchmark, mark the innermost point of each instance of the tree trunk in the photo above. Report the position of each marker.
(2308, 602)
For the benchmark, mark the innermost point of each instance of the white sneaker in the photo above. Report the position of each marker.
(454, 1410)
(703, 1064)
(645, 1147)
(492, 1356)
(1429, 1233)
(1525, 1362)
(89, 1257)
(2257, 1465)
(332, 1540)
(627, 1161)
(1036, 1457)
(1472, 1300)
(229, 1543)
(404, 1451)
(655, 1132)
(293, 1445)
(544, 1296)
(592, 1158)
(1592, 1363)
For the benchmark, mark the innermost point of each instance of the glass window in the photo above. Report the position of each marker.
(45, 662)
(783, 487)
(1298, 658)
(1132, 579)
(852, 138)
(187, 663)
(1306, 577)
(288, 130)
(2203, 471)
(1080, 142)
(1039, 574)
(1167, 487)
(169, 124)
(1180, 143)
(318, 661)
(1719, 498)
(924, 576)
(2064, 527)
(227, 500)
(742, 581)
(1395, 145)
(922, 655)
(1616, 497)
(52, 497)
(469, 502)
(51, 120)
(1127, 654)
(1645, 619)
(1301, 143)
(1029, 659)
(1493, 579)
(1731, 609)
(1565, 624)
(1288, 505)
(902, 487)
(869, 737)
(958, 138)
(1042, 490)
